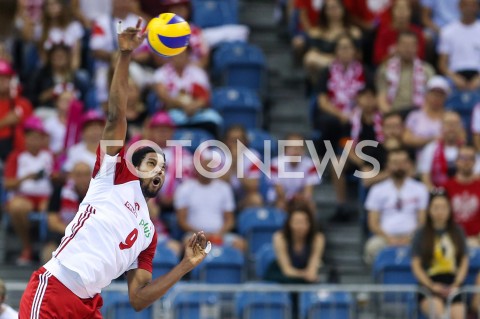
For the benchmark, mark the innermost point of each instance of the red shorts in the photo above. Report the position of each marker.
(46, 297)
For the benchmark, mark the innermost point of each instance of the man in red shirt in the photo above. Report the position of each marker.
(13, 110)
(464, 192)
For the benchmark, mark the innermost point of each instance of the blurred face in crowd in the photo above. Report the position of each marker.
(53, 8)
(295, 150)
(465, 161)
(4, 85)
(401, 13)
(208, 165)
(469, 10)
(333, 10)
(452, 128)
(393, 127)
(299, 224)
(407, 47)
(367, 101)
(63, 102)
(345, 50)
(160, 135)
(180, 61)
(121, 8)
(60, 58)
(181, 9)
(435, 98)
(92, 132)
(81, 175)
(398, 164)
(439, 210)
(234, 136)
(34, 141)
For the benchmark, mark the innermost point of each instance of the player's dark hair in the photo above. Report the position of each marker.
(140, 154)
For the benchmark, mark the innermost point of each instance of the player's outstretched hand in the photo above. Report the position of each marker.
(196, 249)
(130, 38)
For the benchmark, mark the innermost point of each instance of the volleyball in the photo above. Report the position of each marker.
(168, 34)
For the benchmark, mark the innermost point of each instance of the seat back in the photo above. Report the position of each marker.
(196, 305)
(240, 64)
(323, 304)
(258, 226)
(116, 305)
(257, 138)
(238, 105)
(261, 305)
(223, 265)
(164, 261)
(264, 257)
(195, 136)
(213, 13)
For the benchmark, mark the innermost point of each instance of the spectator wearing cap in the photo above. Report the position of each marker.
(401, 80)
(57, 76)
(92, 124)
(463, 189)
(63, 205)
(207, 203)
(184, 90)
(14, 109)
(437, 161)
(458, 48)
(27, 178)
(425, 125)
(180, 164)
(6, 312)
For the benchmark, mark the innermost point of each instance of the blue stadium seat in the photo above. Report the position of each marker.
(473, 267)
(195, 305)
(322, 304)
(240, 64)
(116, 305)
(264, 257)
(223, 265)
(261, 305)
(164, 260)
(257, 225)
(257, 138)
(214, 13)
(463, 102)
(392, 266)
(237, 105)
(196, 136)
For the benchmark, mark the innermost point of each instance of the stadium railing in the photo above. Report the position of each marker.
(263, 301)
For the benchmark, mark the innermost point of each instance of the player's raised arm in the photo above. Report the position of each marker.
(116, 126)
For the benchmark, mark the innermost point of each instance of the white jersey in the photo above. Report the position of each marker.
(110, 234)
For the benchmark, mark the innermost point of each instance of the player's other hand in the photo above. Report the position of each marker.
(195, 249)
(130, 38)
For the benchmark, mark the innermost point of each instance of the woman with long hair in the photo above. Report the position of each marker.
(321, 41)
(299, 247)
(440, 258)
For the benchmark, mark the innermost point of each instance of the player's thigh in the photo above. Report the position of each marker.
(20, 205)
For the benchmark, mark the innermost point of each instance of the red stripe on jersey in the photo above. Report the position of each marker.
(145, 259)
(81, 221)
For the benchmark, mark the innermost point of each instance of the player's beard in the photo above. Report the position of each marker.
(148, 189)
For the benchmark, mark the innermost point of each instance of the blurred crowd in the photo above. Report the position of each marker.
(403, 73)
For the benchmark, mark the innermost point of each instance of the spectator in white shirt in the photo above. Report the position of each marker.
(396, 206)
(27, 177)
(207, 203)
(6, 312)
(459, 58)
(92, 124)
(185, 92)
(288, 188)
(437, 162)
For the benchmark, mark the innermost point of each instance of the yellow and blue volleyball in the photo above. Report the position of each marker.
(168, 34)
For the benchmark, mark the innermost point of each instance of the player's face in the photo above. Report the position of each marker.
(154, 164)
